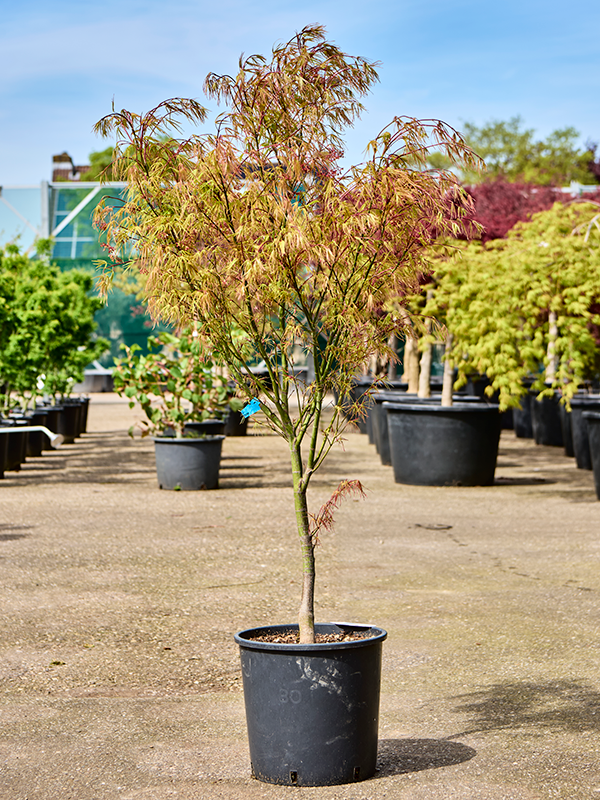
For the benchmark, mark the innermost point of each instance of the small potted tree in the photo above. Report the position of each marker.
(256, 228)
(184, 402)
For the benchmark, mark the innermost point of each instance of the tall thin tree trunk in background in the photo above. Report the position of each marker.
(392, 365)
(425, 372)
(411, 364)
(552, 365)
(448, 373)
(426, 357)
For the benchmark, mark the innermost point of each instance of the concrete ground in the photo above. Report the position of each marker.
(119, 677)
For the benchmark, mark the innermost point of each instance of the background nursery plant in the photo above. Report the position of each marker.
(525, 305)
(174, 383)
(256, 228)
(47, 328)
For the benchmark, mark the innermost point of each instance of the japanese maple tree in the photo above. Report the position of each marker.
(256, 236)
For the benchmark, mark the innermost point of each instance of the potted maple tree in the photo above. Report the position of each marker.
(256, 229)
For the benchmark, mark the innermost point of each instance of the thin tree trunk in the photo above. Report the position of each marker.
(306, 614)
(411, 365)
(447, 385)
(425, 372)
(426, 357)
(392, 370)
(552, 365)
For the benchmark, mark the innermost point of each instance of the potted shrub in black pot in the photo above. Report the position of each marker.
(256, 230)
(185, 403)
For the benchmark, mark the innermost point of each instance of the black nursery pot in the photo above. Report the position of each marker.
(3, 451)
(545, 419)
(53, 415)
(592, 419)
(434, 445)
(380, 419)
(35, 441)
(312, 710)
(84, 403)
(236, 424)
(357, 395)
(567, 430)
(209, 427)
(16, 449)
(579, 427)
(522, 423)
(68, 421)
(188, 464)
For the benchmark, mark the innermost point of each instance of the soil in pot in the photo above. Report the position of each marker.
(432, 445)
(312, 710)
(188, 464)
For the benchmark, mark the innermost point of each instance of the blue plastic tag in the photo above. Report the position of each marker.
(252, 407)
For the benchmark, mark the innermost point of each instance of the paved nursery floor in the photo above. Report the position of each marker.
(119, 675)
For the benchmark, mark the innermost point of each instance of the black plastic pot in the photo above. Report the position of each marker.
(434, 445)
(380, 423)
(522, 423)
(393, 388)
(3, 451)
(68, 421)
(16, 450)
(188, 464)
(567, 430)
(236, 424)
(53, 414)
(545, 420)
(579, 427)
(357, 407)
(357, 395)
(84, 403)
(35, 440)
(312, 711)
(592, 419)
(380, 420)
(209, 427)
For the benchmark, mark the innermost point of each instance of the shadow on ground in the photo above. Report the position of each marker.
(399, 756)
(563, 705)
(95, 458)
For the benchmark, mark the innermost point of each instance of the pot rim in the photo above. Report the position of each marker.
(586, 399)
(243, 637)
(455, 407)
(187, 439)
(591, 415)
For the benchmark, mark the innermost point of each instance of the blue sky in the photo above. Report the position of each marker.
(63, 62)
